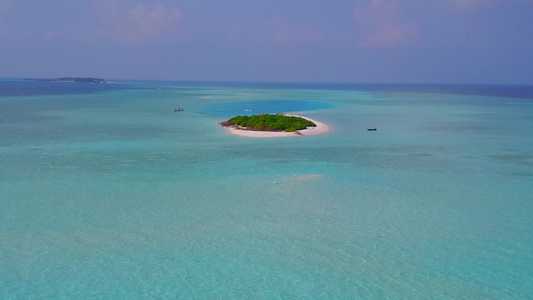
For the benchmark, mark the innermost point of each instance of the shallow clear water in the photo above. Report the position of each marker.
(113, 195)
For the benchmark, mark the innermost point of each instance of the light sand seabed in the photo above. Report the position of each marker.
(321, 128)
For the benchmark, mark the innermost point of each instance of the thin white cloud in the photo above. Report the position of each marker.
(4, 7)
(282, 31)
(138, 22)
(467, 5)
(380, 24)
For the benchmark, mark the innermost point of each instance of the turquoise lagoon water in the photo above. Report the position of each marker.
(109, 194)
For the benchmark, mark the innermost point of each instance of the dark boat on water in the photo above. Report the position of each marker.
(178, 109)
(372, 129)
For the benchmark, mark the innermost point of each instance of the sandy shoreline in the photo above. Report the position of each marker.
(321, 128)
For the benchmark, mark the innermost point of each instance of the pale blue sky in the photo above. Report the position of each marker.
(381, 41)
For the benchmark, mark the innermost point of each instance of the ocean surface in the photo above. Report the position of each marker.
(107, 193)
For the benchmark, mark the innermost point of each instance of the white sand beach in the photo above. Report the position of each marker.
(321, 128)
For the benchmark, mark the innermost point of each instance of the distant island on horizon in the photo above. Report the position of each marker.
(74, 79)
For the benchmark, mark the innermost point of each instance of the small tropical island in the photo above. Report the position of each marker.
(266, 122)
(273, 126)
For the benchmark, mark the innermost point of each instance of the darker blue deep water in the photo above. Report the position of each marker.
(496, 90)
(11, 88)
(247, 108)
(20, 87)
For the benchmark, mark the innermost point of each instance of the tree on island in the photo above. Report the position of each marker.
(266, 122)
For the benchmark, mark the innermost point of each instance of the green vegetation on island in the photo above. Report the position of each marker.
(266, 122)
